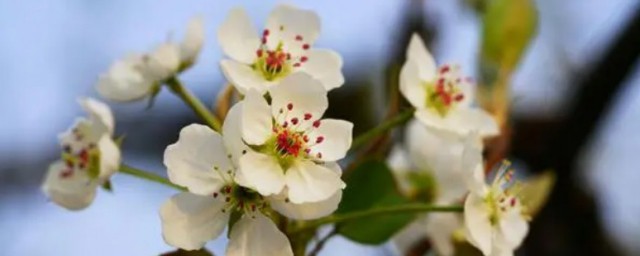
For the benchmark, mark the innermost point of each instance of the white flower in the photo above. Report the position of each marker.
(289, 143)
(285, 47)
(89, 158)
(139, 76)
(493, 214)
(441, 96)
(205, 163)
(432, 162)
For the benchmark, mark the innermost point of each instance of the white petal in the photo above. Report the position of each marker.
(71, 189)
(243, 77)
(310, 182)
(261, 173)
(256, 119)
(305, 94)
(238, 37)
(401, 165)
(460, 120)
(286, 23)
(193, 40)
(306, 211)
(513, 228)
(82, 133)
(192, 160)
(99, 113)
(109, 157)
(440, 153)
(477, 224)
(189, 221)
(257, 235)
(337, 136)
(418, 53)
(411, 86)
(232, 133)
(440, 229)
(324, 65)
(163, 62)
(473, 166)
(123, 81)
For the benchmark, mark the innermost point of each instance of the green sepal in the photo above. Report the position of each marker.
(155, 89)
(108, 186)
(235, 217)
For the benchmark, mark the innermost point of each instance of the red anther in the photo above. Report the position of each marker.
(227, 189)
(316, 123)
(308, 150)
(285, 125)
(265, 32)
(298, 38)
(66, 173)
(319, 155)
(305, 138)
(441, 82)
(305, 46)
(513, 202)
(459, 97)
(303, 58)
(264, 40)
(297, 65)
(259, 53)
(307, 116)
(294, 121)
(444, 69)
(319, 139)
(288, 56)
(215, 194)
(458, 80)
(290, 106)
(446, 99)
(502, 200)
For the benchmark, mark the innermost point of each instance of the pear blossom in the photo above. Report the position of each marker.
(441, 95)
(430, 156)
(289, 145)
(206, 164)
(493, 213)
(138, 76)
(89, 158)
(284, 47)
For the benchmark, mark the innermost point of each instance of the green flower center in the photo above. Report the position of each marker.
(240, 199)
(273, 64)
(84, 159)
(292, 137)
(445, 93)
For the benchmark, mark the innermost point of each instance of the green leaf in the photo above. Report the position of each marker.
(107, 186)
(235, 217)
(180, 252)
(372, 186)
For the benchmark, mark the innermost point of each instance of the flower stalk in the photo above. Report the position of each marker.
(409, 208)
(198, 107)
(145, 175)
(399, 119)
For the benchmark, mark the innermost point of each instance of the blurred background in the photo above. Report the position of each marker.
(575, 109)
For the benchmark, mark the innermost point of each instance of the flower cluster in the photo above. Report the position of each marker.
(444, 149)
(273, 163)
(270, 157)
